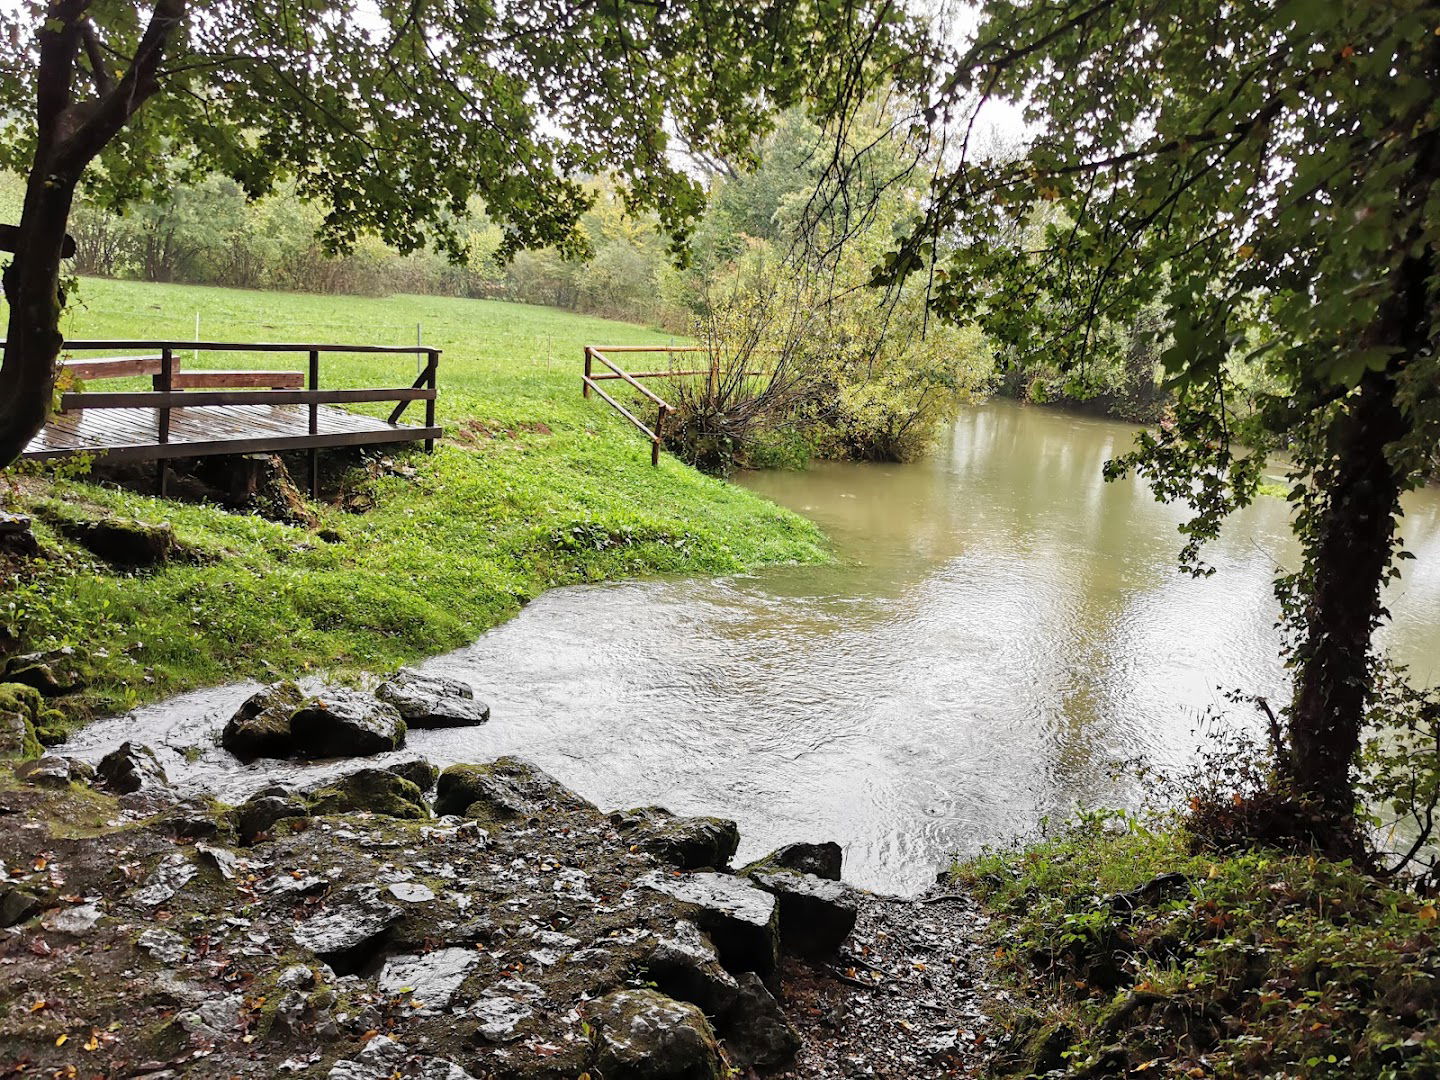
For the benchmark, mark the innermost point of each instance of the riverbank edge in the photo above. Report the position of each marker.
(410, 556)
(1120, 946)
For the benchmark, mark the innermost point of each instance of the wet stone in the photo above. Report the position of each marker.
(418, 771)
(503, 790)
(741, 920)
(755, 1028)
(432, 701)
(261, 726)
(74, 921)
(259, 816)
(350, 929)
(385, 1059)
(685, 965)
(54, 673)
(165, 881)
(18, 905)
(165, 946)
(822, 860)
(500, 1018)
(642, 1035)
(816, 915)
(346, 723)
(295, 977)
(48, 771)
(430, 978)
(687, 843)
(376, 791)
(130, 768)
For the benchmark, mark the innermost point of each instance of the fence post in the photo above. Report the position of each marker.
(659, 434)
(585, 382)
(314, 424)
(432, 367)
(165, 381)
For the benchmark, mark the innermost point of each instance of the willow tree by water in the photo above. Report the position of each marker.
(394, 114)
(1269, 171)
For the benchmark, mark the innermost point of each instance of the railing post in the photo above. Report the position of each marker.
(585, 382)
(162, 434)
(314, 424)
(659, 434)
(432, 368)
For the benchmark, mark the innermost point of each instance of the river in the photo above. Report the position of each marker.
(999, 628)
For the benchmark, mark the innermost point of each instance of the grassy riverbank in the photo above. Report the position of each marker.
(1129, 954)
(533, 488)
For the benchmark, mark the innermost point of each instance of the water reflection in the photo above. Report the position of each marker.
(1001, 625)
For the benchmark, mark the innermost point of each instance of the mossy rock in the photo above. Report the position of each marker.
(53, 673)
(126, 543)
(375, 790)
(20, 705)
(503, 790)
(261, 726)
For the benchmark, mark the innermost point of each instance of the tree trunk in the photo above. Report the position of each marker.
(1352, 554)
(32, 289)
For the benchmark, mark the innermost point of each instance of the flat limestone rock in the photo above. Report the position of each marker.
(346, 723)
(686, 966)
(823, 860)
(742, 921)
(430, 978)
(385, 1059)
(432, 701)
(375, 791)
(346, 933)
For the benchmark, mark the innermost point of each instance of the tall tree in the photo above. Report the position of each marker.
(1269, 170)
(394, 113)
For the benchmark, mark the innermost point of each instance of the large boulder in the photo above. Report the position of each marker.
(687, 843)
(346, 723)
(429, 701)
(19, 706)
(741, 920)
(131, 767)
(642, 1035)
(816, 915)
(261, 726)
(54, 673)
(822, 860)
(50, 771)
(377, 791)
(756, 1030)
(504, 790)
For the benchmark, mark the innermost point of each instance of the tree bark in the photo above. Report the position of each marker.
(1352, 555)
(69, 134)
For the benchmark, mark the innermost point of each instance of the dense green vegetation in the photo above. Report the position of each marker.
(534, 487)
(1129, 950)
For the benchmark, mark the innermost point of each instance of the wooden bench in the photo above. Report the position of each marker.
(117, 367)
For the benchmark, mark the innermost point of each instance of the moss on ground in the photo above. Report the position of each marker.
(1127, 954)
(533, 487)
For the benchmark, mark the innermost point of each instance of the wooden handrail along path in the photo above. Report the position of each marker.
(203, 412)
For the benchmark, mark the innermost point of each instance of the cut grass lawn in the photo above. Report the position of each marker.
(537, 488)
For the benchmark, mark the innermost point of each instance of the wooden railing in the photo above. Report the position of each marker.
(591, 381)
(168, 390)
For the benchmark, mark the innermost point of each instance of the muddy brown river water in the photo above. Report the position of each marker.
(999, 628)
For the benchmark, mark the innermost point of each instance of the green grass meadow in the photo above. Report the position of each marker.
(533, 487)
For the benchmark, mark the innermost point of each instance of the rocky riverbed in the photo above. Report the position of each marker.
(485, 922)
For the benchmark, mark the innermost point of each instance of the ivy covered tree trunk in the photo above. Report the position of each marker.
(1351, 558)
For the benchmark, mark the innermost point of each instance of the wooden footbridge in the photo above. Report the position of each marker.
(202, 412)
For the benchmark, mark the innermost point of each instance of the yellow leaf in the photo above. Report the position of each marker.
(61, 1039)
(1428, 912)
